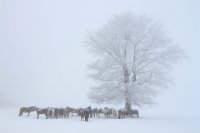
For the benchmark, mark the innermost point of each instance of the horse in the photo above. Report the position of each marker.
(114, 113)
(122, 113)
(84, 114)
(66, 112)
(81, 113)
(61, 112)
(71, 110)
(51, 112)
(27, 110)
(90, 111)
(94, 111)
(99, 112)
(44, 111)
(134, 112)
(107, 112)
(56, 113)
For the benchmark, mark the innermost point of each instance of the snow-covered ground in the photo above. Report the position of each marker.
(147, 123)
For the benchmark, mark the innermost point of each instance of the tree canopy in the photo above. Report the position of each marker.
(134, 57)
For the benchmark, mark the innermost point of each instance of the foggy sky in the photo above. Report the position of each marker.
(43, 60)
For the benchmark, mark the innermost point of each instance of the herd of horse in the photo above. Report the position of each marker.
(83, 113)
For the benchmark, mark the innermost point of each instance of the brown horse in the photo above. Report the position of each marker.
(107, 112)
(44, 111)
(27, 110)
(66, 112)
(71, 110)
(99, 112)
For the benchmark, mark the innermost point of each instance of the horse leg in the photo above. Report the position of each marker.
(20, 113)
(47, 115)
(68, 115)
(37, 115)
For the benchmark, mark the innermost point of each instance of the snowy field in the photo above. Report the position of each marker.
(147, 123)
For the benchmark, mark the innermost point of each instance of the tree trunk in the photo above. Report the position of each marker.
(127, 93)
(128, 105)
(126, 80)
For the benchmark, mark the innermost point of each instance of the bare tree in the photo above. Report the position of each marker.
(134, 57)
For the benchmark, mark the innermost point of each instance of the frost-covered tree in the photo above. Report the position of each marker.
(134, 57)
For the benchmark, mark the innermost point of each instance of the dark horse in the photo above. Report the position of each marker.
(84, 114)
(87, 112)
(122, 113)
(134, 112)
(27, 110)
(89, 108)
